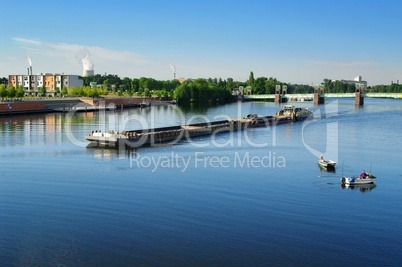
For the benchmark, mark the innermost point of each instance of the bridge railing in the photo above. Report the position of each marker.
(384, 95)
(329, 95)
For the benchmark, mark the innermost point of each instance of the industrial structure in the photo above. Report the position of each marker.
(87, 73)
(87, 66)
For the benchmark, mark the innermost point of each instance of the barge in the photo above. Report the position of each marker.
(173, 134)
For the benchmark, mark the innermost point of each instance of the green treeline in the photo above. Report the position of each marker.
(339, 87)
(393, 88)
(140, 86)
(191, 90)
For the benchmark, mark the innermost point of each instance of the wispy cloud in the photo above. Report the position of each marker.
(27, 41)
(76, 52)
(343, 64)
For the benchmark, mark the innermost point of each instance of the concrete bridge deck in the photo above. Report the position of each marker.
(327, 95)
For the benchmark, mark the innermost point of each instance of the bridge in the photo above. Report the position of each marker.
(326, 95)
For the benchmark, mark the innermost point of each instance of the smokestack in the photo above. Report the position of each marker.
(30, 65)
(174, 70)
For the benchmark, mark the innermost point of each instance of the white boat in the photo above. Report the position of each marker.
(326, 163)
(357, 180)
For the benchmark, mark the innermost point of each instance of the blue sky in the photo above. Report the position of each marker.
(300, 42)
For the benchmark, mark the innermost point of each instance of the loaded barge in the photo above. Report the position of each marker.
(173, 134)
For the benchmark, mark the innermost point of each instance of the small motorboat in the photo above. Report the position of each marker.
(326, 163)
(364, 178)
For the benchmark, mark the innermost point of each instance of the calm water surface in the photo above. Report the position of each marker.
(253, 198)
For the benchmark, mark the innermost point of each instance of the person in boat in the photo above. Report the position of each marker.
(321, 157)
(363, 174)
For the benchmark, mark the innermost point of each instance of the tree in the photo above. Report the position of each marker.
(259, 85)
(42, 91)
(4, 81)
(338, 87)
(135, 85)
(230, 84)
(147, 93)
(3, 91)
(19, 92)
(11, 92)
(270, 85)
(57, 92)
(64, 91)
(182, 92)
(106, 84)
(221, 84)
(328, 86)
(126, 84)
(251, 79)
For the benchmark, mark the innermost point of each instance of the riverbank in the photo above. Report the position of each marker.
(29, 106)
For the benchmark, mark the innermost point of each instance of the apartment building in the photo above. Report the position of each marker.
(52, 83)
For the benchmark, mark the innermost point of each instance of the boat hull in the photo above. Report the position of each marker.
(357, 180)
(327, 163)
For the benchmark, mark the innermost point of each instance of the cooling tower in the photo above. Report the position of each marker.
(86, 73)
(87, 66)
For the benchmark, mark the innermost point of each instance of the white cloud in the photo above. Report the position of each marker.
(343, 64)
(46, 53)
(27, 41)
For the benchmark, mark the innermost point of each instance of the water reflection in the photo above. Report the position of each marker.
(326, 169)
(110, 153)
(363, 188)
(195, 108)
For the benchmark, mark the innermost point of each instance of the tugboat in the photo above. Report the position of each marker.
(254, 120)
(292, 113)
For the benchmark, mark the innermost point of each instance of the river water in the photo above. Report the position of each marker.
(255, 197)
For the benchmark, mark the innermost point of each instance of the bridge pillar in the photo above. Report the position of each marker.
(319, 96)
(359, 98)
(284, 90)
(278, 94)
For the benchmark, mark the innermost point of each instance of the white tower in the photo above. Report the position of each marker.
(87, 66)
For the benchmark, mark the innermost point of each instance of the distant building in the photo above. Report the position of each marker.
(181, 79)
(357, 81)
(51, 82)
